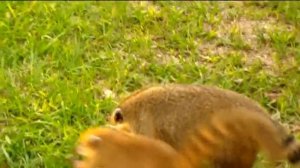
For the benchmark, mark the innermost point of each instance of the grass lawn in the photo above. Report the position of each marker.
(64, 66)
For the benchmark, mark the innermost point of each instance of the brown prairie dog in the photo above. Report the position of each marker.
(116, 147)
(171, 112)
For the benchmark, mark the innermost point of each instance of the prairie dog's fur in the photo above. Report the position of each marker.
(116, 148)
(239, 135)
(172, 112)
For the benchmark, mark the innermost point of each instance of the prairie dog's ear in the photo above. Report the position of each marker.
(117, 116)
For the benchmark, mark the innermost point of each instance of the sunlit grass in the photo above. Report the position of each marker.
(64, 66)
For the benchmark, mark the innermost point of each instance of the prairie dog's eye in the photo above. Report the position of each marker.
(118, 116)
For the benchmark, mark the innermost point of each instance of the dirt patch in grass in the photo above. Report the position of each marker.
(253, 33)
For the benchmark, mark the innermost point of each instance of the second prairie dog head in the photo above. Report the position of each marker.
(114, 147)
(98, 145)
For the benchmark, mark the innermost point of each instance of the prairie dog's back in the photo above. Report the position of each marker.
(168, 112)
(173, 112)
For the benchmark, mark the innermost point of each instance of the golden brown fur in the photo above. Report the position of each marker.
(116, 148)
(173, 112)
(239, 135)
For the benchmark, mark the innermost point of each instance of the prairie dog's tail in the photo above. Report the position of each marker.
(250, 129)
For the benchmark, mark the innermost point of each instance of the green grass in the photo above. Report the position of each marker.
(59, 61)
